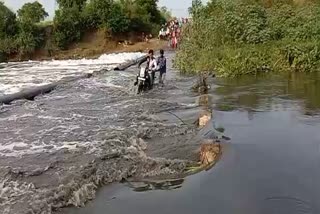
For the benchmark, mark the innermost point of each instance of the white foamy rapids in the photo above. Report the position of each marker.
(16, 76)
(18, 149)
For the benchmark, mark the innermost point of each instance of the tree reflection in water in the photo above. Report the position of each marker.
(270, 92)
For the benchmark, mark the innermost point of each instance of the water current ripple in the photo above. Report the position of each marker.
(58, 149)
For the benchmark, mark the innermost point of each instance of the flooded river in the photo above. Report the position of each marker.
(270, 166)
(60, 148)
(16, 76)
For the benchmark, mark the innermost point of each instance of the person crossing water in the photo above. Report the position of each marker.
(162, 67)
(151, 66)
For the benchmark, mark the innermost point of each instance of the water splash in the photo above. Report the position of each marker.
(17, 76)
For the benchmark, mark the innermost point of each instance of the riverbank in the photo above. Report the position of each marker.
(93, 45)
(236, 38)
(94, 50)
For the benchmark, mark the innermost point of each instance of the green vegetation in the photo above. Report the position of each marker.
(67, 27)
(23, 33)
(32, 12)
(225, 107)
(8, 27)
(236, 37)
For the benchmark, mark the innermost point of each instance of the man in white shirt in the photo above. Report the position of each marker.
(151, 65)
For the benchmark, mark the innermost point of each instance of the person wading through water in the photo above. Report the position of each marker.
(162, 67)
(151, 66)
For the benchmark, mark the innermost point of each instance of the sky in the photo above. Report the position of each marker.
(178, 8)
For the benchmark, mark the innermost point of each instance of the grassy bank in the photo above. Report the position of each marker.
(232, 38)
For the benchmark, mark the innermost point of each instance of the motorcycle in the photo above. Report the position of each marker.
(144, 80)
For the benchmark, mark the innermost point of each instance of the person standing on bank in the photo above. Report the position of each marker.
(162, 67)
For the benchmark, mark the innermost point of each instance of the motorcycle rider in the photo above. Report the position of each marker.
(151, 65)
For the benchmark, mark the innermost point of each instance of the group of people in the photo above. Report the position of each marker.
(172, 30)
(154, 65)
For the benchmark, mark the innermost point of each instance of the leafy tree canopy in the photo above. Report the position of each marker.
(32, 12)
(8, 23)
(165, 13)
(71, 3)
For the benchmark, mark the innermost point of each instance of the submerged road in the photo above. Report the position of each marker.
(59, 148)
(271, 165)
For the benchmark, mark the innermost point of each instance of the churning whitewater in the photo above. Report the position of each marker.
(58, 149)
(15, 76)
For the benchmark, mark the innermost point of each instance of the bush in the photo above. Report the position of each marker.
(72, 19)
(63, 4)
(124, 16)
(232, 38)
(165, 13)
(8, 30)
(26, 43)
(96, 12)
(29, 33)
(67, 27)
(7, 46)
(116, 21)
(8, 22)
(106, 14)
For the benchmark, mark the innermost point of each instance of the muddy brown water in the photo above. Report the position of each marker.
(271, 165)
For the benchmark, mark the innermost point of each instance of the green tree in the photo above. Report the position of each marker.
(150, 7)
(68, 26)
(128, 7)
(8, 22)
(116, 21)
(26, 44)
(165, 13)
(71, 3)
(96, 12)
(7, 46)
(195, 7)
(33, 12)
(8, 30)
(106, 14)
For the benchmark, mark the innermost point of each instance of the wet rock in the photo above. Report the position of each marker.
(204, 100)
(140, 186)
(204, 118)
(155, 184)
(20, 148)
(142, 144)
(48, 147)
(209, 152)
(201, 86)
(110, 156)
